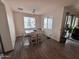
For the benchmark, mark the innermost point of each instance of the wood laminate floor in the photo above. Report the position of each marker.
(48, 49)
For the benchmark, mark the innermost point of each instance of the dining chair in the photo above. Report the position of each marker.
(33, 39)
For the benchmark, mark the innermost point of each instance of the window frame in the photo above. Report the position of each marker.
(30, 19)
(47, 26)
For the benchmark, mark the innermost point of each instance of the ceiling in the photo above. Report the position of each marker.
(41, 6)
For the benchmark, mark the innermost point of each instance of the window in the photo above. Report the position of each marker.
(48, 23)
(45, 23)
(29, 22)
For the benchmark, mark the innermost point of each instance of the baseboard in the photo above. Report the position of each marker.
(18, 36)
(5, 53)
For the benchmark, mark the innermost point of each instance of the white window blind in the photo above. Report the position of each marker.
(48, 22)
(29, 22)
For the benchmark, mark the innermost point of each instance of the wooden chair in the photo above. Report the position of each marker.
(39, 38)
(33, 39)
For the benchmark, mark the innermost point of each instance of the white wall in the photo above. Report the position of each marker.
(11, 24)
(57, 15)
(7, 28)
(10, 20)
(4, 29)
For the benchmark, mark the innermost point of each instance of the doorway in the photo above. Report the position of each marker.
(71, 22)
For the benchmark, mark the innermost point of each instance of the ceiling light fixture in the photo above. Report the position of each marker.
(20, 9)
(34, 10)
